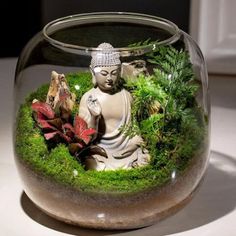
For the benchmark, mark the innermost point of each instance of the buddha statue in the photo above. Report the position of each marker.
(106, 108)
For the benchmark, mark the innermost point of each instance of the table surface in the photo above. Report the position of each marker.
(211, 212)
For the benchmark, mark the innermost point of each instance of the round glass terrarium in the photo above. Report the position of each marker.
(112, 119)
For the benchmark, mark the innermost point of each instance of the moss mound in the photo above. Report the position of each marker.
(61, 166)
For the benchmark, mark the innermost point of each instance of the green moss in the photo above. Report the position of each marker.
(29, 141)
(171, 148)
(40, 94)
(79, 84)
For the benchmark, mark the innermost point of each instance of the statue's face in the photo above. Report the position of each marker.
(106, 77)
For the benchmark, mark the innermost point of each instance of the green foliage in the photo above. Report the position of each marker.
(176, 131)
(145, 92)
(151, 129)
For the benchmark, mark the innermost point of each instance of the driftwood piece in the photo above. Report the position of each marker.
(59, 95)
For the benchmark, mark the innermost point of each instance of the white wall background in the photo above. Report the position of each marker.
(213, 26)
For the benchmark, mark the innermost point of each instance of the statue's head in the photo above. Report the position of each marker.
(105, 67)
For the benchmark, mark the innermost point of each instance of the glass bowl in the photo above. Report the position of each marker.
(111, 119)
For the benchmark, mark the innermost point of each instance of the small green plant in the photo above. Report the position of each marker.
(53, 126)
(174, 87)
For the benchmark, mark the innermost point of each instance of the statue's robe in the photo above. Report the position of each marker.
(114, 142)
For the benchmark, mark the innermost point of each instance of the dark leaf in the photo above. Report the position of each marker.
(50, 135)
(43, 122)
(65, 137)
(68, 130)
(43, 108)
(86, 135)
(80, 125)
(69, 127)
(94, 149)
(57, 122)
(75, 147)
(82, 131)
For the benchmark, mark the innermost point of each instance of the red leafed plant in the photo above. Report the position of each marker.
(78, 135)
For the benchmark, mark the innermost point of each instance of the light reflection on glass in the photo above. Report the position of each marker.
(101, 215)
(173, 175)
(77, 87)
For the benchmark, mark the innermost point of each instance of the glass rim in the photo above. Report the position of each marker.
(142, 19)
